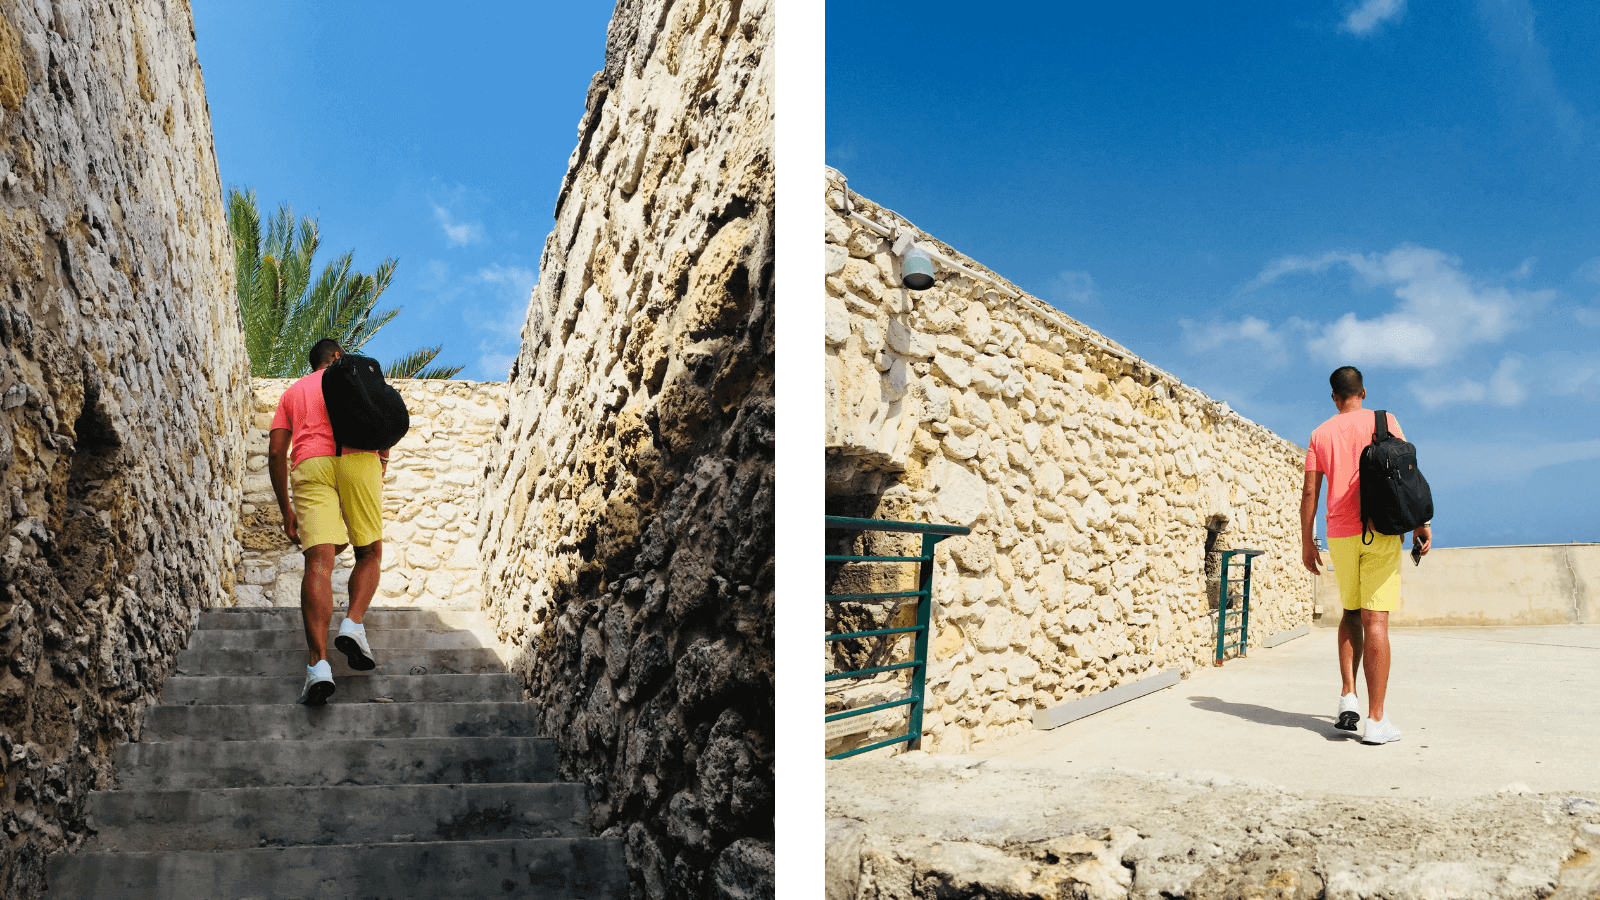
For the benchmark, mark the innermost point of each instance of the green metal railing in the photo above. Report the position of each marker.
(1225, 608)
(918, 665)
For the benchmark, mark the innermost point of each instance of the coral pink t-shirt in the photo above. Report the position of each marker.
(302, 411)
(1335, 451)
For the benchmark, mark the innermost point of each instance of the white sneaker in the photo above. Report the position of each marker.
(1349, 713)
(1379, 731)
(352, 642)
(319, 684)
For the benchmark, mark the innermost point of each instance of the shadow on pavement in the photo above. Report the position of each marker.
(1265, 715)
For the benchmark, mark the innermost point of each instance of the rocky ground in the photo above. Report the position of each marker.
(951, 826)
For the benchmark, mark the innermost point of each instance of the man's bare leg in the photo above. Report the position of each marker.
(1375, 628)
(364, 579)
(1350, 647)
(316, 600)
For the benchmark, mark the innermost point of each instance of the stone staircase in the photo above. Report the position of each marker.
(418, 779)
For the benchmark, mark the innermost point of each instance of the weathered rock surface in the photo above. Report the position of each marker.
(123, 390)
(948, 826)
(431, 492)
(627, 526)
(1100, 492)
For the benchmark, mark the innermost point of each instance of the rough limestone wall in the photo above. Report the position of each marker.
(430, 502)
(123, 388)
(628, 507)
(1089, 481)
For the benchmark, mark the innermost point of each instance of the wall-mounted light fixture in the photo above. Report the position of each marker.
(916, 266)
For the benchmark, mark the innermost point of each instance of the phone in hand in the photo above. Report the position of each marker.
(1416, 553)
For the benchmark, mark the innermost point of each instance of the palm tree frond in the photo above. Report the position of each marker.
(409, 365)
(439, 372)
(284, 309)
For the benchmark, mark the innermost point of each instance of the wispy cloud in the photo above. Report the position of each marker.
(1077, 287)
(458, 233)
(1270, 343)
(1504, 388)
(1566, 373)
(1510, 24)
(502, 327)
(1589, 271)
(519, 279)
(1372, 13)
(1442, 311)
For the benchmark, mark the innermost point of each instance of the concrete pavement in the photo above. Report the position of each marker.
(1481, 709)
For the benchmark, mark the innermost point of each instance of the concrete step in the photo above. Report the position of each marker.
(244, 818)
(338, 721)
(591, 868)
(473, 661)
(376, 617)
(228, 690)
(183, 765)
(295, 639)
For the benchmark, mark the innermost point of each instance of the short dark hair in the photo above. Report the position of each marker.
(322, 352)
(1346, 382)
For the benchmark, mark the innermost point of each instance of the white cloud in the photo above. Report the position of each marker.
(1505, 389)
(457, 233)
(1587, 316)
(1271, 350)
(1589, 271)
(519, 279)
(493, 363)
(1075, 286)
(1564, 373)
(1442, 311)
(1439, 396)
(1372, 13)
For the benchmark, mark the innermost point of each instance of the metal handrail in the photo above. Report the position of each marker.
(918, 665)
(1240, 612)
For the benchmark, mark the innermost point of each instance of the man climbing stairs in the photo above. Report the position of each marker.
(418, 779)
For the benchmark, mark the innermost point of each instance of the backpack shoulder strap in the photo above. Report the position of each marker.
(1382, 431)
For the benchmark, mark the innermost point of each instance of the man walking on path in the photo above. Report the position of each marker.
(1368, 568)
(338, 500)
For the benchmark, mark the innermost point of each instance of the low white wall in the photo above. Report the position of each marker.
(1543, 584)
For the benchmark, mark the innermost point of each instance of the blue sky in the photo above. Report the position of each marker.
(1250, 194)
(434, 134)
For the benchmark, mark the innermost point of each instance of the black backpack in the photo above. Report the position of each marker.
(366, 412)
(1394, 496)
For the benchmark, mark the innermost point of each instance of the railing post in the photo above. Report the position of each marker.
(1222, 607)
(919, 675)
(1244, 617)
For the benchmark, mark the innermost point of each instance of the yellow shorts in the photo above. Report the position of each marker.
(338, 499)
(1369, 574)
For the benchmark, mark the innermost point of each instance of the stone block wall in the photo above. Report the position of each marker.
(627, 526)
(1100, 492)
(430, 502)
(123, 390)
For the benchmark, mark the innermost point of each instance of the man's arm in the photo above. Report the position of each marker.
(1310, 494)
(278, 467)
